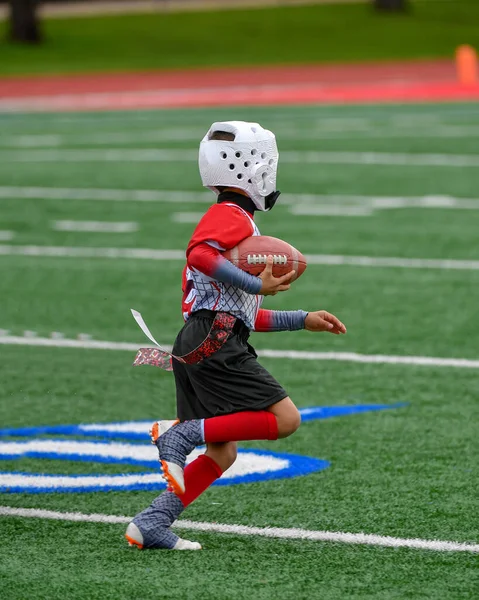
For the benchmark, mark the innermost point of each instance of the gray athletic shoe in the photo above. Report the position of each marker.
(151, 527)
(175, 441)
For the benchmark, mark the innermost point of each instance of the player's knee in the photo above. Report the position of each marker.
(289, 423)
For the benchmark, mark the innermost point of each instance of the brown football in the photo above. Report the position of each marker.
(251, 253)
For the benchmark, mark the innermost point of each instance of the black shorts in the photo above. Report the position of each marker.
(230, 380)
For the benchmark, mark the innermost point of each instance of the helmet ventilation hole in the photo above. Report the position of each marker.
(232, 167)
(249, 180)
(271, 162)
(239, 176)
(223, 155)
(238, 154)
(263, 180)
(253, 152)
(247, 164)
(263, 155)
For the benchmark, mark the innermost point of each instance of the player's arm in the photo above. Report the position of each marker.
(209, 261)
(280, 320)
(293, 320)
(222, 228)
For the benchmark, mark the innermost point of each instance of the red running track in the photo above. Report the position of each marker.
(419, 81)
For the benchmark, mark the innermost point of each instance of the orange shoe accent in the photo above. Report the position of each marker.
(154, 430)
(172, 483)
(467, 65)
(133, 542)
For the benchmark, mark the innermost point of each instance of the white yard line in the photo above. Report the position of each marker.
(314, 203)
(313, 259)
(330, 210)
(425, 361)
(186, 217)
(115, 195)
(339, 131)
(186, 155)
(10, 340)
(85, 252)
(374, 133)
(268, 532)
(103, 155)
(101, 139)
(382, 158)
(386, 261)
(96, 226)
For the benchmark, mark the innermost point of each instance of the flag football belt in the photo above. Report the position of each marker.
(222, 326)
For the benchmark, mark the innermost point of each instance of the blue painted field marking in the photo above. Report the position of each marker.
(326, 412)
(252, 465)
(289, 465)
(139, 428)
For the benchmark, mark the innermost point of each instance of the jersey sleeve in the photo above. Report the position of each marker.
(221, 228)
(280, 320)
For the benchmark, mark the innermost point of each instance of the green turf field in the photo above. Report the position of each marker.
(285, 35)
(409, 472)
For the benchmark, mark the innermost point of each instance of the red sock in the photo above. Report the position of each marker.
(241, 426)
(199, 475)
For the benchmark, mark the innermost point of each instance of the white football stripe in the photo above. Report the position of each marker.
(290, 157)
(115, 195)
(269, 532)
(186, 217)
(314, 203)
(330, 210)
(85, 252)
(425, 361)
(95, 226)
(342, 129)
(313, 259)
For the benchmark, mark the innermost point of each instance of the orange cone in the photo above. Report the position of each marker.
(466, 65)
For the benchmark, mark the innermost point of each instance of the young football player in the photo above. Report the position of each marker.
(228, 396)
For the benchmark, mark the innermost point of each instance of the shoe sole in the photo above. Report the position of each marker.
(172, 483)
(132, 542)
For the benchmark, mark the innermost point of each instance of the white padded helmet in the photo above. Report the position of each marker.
(249, 162)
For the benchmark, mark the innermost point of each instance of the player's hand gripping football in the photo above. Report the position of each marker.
(271, 284)
(321, 320)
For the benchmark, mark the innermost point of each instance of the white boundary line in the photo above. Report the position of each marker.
(186, 217)
(47, 193)
(85, 252)
(269, 532)
(426, 361)
(292, 157)
(332, 131)
(313, 259)
(304, 203)
(95, 226)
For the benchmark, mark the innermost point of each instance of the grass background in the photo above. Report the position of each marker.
(285, 35)
(408, 472)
